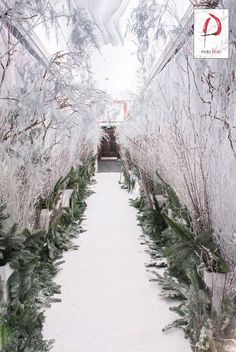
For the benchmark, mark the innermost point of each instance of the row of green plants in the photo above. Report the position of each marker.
(185, 254)
(35, 258)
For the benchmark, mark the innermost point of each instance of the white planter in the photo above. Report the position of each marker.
(220, 285)
(136, 190)
(220, 281)
(131, 174)
(31, 223)
(161, 200)
(5, 273)
(65, 198)
(44, 219)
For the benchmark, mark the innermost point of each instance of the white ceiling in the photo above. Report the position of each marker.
(115, 65)
(107, 15)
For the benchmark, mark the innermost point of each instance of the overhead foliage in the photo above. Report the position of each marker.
(152, 22)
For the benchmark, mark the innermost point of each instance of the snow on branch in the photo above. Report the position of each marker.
(182, 126)
(48, 113)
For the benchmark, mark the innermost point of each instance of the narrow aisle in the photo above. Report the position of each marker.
(108, 304)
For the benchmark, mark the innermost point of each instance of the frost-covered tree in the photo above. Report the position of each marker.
(181, 134)
(49, 107)
(182, 126)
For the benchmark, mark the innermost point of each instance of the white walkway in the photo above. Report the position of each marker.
(108, 303)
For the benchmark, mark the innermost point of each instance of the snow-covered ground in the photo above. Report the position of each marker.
(108, 303)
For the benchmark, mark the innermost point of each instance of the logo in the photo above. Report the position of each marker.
(211, 33)
(206, 25)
